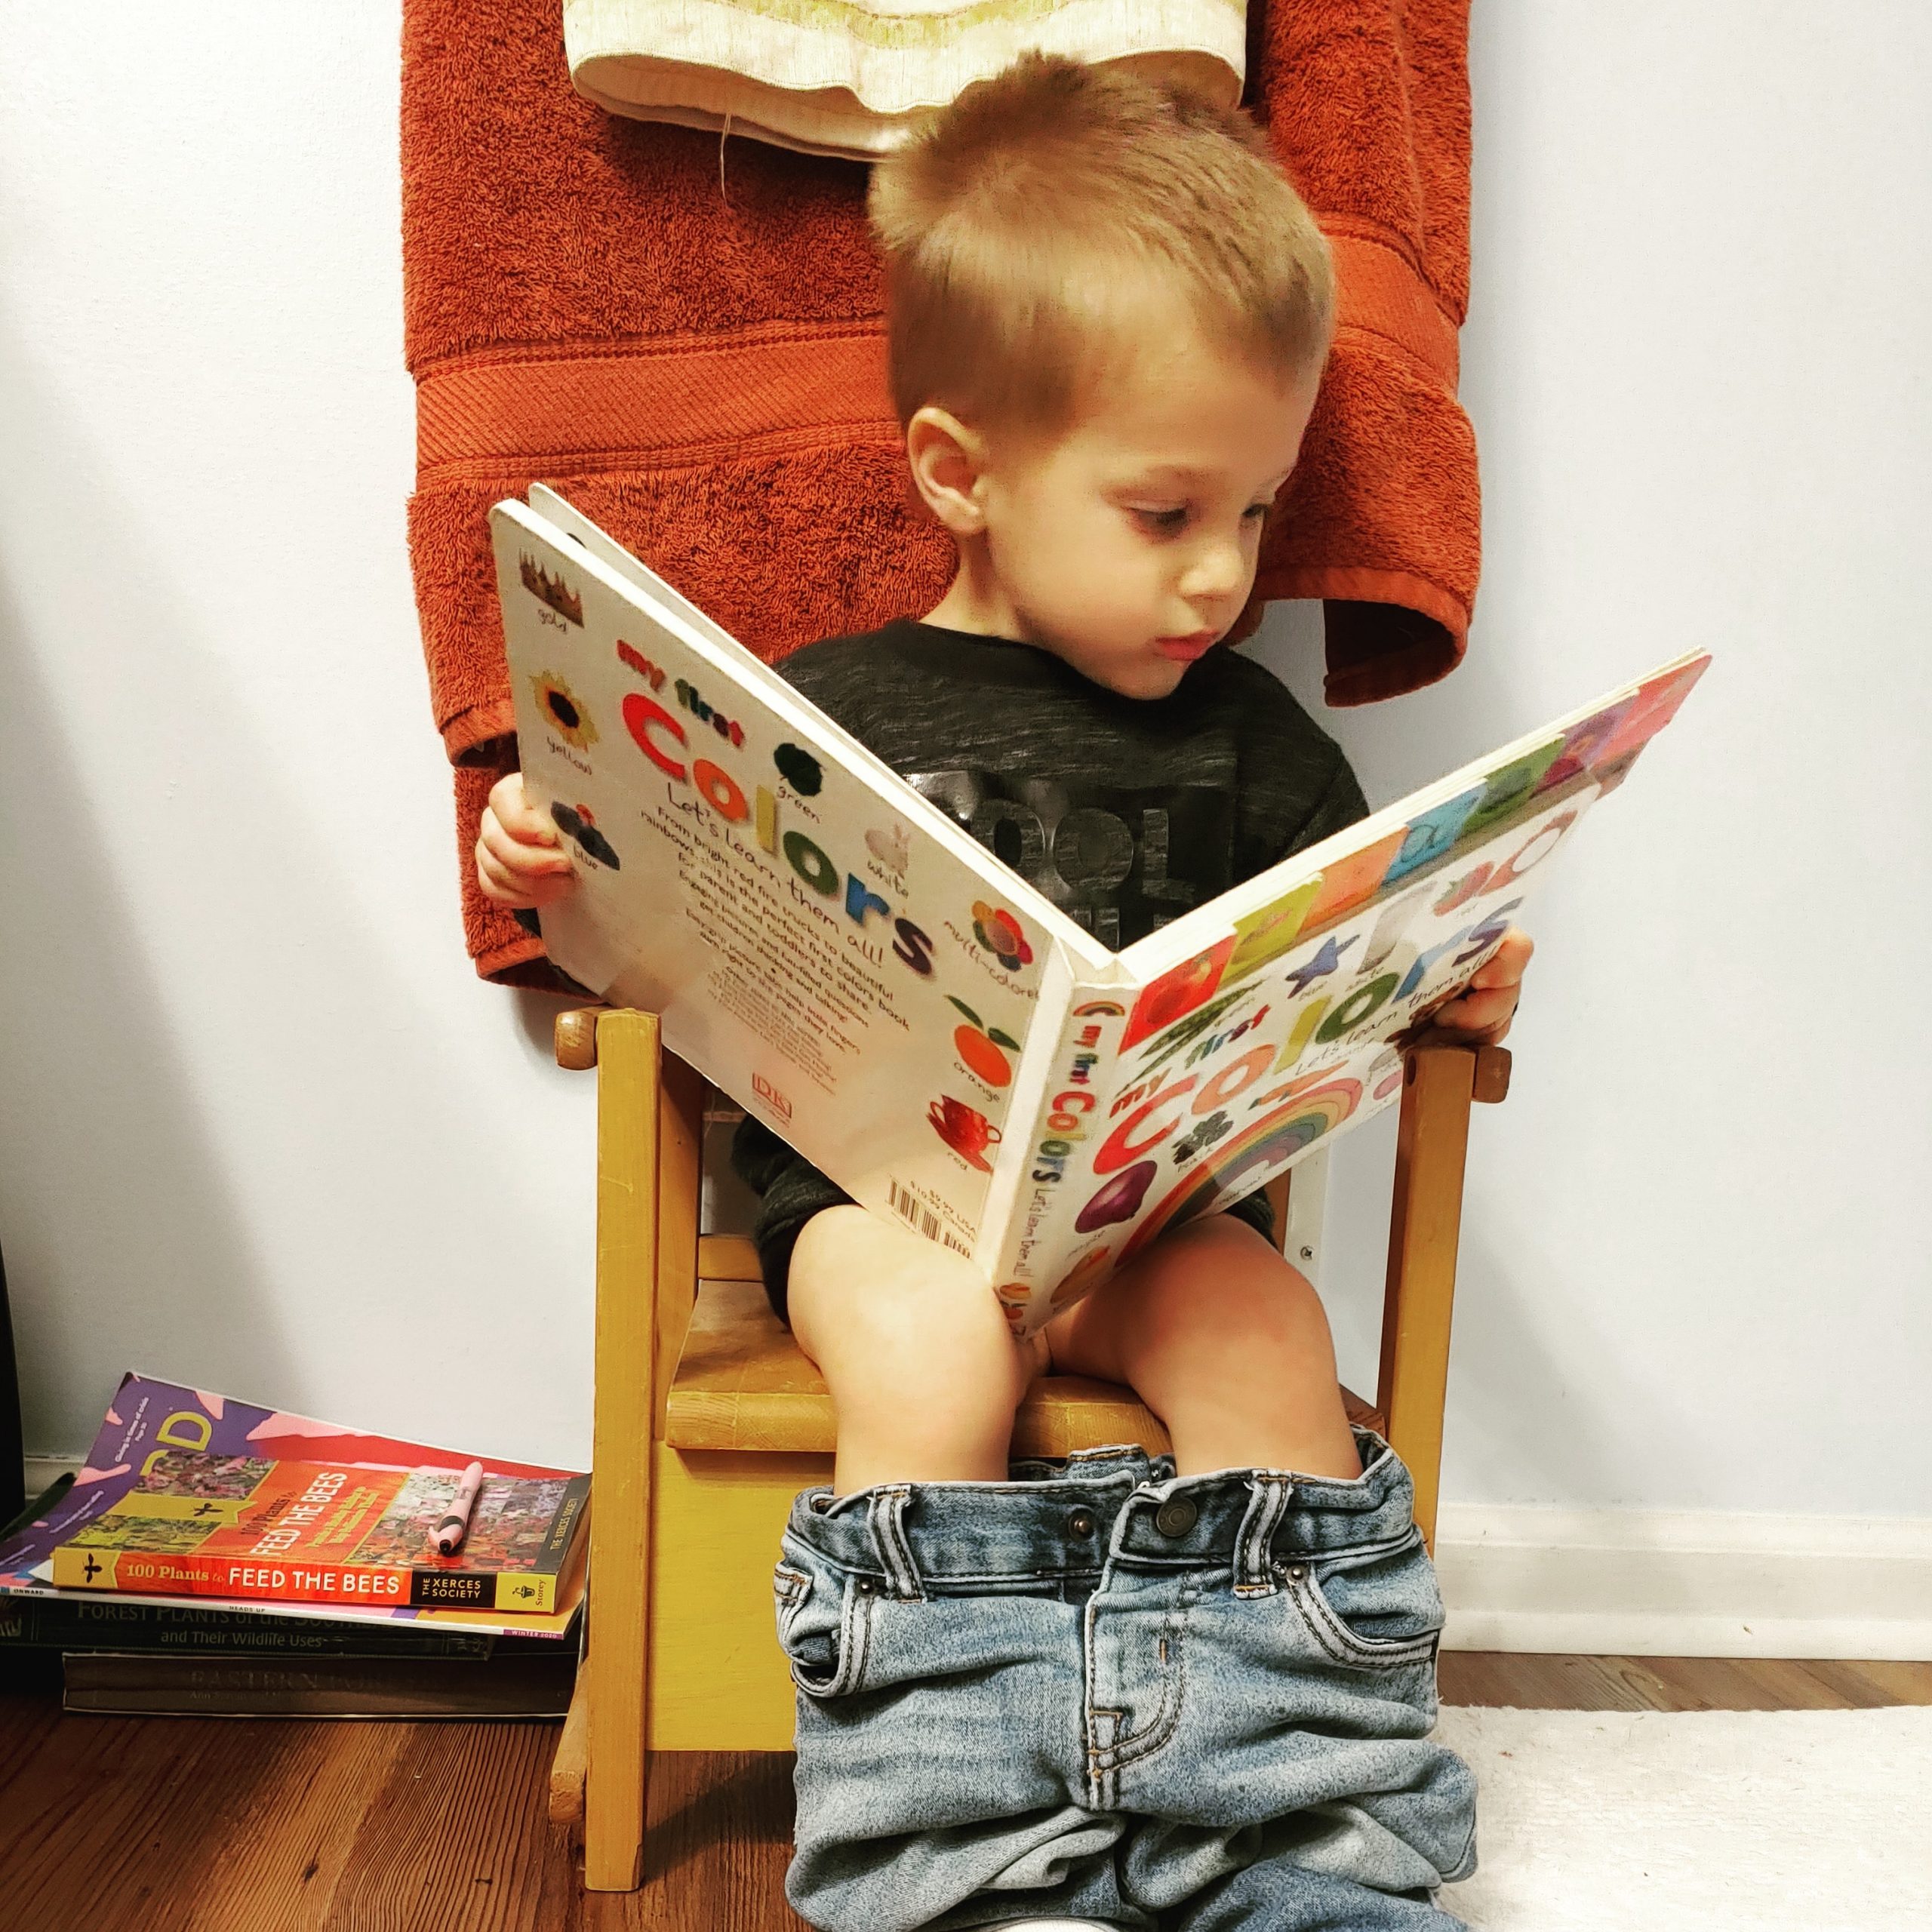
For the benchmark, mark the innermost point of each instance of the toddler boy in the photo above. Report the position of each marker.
(1191, 1690)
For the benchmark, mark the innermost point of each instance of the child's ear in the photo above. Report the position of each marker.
(947, 462)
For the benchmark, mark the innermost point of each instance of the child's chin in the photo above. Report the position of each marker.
(1143, 677)
(1158, 679)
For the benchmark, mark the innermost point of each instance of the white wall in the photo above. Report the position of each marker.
(1695, 1268)
(262, 1130)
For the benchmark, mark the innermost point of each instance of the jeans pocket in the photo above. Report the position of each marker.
(823, 1621)
(1376, 1608)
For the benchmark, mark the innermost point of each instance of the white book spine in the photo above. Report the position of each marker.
(1025, 1111)
(1036, 1255)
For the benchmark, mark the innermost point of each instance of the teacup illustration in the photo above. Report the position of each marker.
(965, 1130)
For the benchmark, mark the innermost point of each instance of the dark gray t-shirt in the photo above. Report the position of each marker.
(1125, 812)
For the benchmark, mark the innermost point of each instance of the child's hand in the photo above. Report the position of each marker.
(517, 861)
(1480, 1015)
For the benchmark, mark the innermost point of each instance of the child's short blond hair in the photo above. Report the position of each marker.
(1014, 223)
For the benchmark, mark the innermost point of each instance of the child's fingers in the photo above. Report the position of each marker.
(1482, 1007)
(511, 805)
(1477, 1012)
(517, 884)
(520, 857)
(1505, 966)
(498, 882)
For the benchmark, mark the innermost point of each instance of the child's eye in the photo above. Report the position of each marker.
(1258, 510)
(1163, 523)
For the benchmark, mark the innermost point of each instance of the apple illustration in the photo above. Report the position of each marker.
(1178, 992)
(979, 1046)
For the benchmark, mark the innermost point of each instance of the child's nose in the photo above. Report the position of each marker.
(1217, 571)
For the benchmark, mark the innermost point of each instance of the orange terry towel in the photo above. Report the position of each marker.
(683, 337)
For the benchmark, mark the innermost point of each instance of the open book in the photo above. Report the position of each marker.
(847, 962)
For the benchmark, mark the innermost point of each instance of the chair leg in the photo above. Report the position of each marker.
(1425, 1226)
(567, 1764)
(627, 1087)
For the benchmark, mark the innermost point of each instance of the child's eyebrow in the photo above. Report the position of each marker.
(1189, 473)
(1176, 472)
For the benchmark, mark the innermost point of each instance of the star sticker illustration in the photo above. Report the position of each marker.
(1325, 962)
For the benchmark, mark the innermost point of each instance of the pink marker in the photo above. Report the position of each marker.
(447, 1537)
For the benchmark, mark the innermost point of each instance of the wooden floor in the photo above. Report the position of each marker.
(178, 1826)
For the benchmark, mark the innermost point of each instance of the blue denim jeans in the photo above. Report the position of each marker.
(1192, 1703)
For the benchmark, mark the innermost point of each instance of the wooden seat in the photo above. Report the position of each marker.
(709, 1421)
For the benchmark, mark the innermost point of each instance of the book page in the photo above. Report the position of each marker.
(1310, 889)
(1251, 1030)
(823, 943)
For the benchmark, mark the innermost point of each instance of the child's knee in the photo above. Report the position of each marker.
(1236, 1342)
(897, 1324)
(857, 1282)
(1222, 1289)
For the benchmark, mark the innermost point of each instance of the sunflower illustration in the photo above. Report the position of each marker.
(567, 717)
(998, 931)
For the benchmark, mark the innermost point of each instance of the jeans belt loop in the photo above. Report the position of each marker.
(1268, 1493)
(886, 1511)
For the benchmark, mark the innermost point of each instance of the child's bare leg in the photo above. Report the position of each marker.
(1227, 1343)
(924, 1375)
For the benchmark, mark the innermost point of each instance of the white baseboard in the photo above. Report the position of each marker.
(1656, 1583)
(1646, 1582)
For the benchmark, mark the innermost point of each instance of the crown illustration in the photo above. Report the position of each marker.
(551, 590)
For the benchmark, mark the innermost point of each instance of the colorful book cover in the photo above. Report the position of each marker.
(187, 1494)
(845, 961)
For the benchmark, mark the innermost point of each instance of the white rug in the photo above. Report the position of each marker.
(1698, 1821)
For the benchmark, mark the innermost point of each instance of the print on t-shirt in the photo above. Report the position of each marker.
(1121, 860)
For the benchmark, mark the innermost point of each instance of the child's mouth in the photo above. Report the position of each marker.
(1186, 650)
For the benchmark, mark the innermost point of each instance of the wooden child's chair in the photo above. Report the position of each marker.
(709, 1421)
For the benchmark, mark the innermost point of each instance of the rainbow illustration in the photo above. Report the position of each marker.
(1259, 1149)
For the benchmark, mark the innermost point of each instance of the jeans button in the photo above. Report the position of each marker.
(1175, 1516)
(1080, 1524)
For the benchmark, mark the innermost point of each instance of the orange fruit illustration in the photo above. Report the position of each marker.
(984, 1049)
(982, 1056)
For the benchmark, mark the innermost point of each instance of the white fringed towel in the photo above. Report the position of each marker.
(852, 77)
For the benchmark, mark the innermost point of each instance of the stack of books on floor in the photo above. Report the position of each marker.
(214, 1559)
